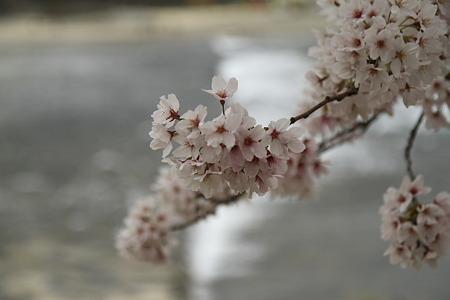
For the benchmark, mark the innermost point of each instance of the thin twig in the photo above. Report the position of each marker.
(409, 145)
(351, 91)
(346, 134)
(212, 211)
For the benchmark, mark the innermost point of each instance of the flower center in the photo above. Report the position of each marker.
(274, 134)
(248, 141)
(220, 129)
(381, 44)
(222, 94)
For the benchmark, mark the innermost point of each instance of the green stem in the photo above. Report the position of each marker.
(222, 102)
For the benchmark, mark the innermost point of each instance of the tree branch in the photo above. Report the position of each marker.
(350, 92)
(212, 211)
(346, 134)
(409, 145)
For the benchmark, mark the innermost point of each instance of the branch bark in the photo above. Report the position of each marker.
(346, 134)
(212, 211)
(350, 92)
(409, 145)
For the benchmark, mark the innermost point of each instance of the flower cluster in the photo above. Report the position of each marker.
(213, 163)
(229, 152)
(302, 169)
(186, 204)
(385, 49)
(147, 231)
(417, 232)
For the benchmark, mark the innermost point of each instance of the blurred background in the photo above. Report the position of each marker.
(78, 83)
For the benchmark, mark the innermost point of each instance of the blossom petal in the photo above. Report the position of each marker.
(217, 83)
(232, 86)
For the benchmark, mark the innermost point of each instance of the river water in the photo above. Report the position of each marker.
(74, 153)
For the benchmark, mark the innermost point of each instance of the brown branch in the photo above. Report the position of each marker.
(212, 211)
(346, 134)
(409, 145)
(350, 92)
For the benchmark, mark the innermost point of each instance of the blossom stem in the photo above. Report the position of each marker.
(409, 145)
(403, 22)
(212, 211)
(347, 134)
(222, 102)
(350, 92)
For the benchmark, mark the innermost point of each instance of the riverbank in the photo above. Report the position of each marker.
(129, 25)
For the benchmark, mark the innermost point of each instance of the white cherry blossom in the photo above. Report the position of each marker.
(220, 130)
(191, 121)
(249, 141)
(167, 110)
(162, 138)
(222, 90)
(405, 59)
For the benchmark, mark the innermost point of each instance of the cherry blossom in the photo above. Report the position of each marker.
(167, 110)
(191, 121)
(146, 233)
(418, 232)
(222, 90)
(251, 143)
(162, 138)
(220, 131)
